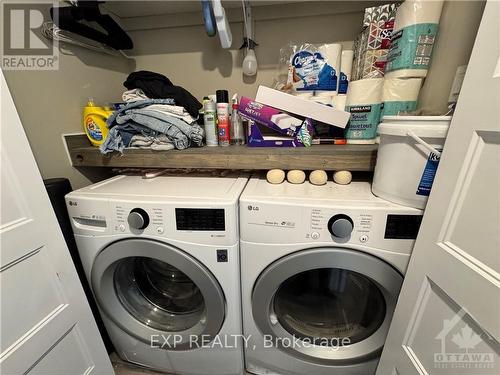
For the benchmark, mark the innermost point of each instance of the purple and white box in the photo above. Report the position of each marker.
(271, 117)
(260, 135)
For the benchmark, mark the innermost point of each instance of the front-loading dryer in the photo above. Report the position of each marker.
(162, 258)
(321, 271)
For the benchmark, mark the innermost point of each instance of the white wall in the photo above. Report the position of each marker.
(457, 31)
(190, 58)
(50, 103)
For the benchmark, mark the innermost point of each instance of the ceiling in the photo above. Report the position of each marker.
(127, 9)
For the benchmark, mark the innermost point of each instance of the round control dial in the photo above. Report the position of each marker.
(138, 218)
(340, 226)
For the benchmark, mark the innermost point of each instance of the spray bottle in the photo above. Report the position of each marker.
(209, 118)
(223, 117)
(237, 132)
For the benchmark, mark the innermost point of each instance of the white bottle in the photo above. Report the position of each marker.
(209, 118)
(237, 132)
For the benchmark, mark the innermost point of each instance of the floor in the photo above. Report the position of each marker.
(124, 368)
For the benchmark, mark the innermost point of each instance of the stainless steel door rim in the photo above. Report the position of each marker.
(386, 278)
(102, 280)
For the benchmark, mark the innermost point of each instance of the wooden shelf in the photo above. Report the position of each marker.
(328, 157)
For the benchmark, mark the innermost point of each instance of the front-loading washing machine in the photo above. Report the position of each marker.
(321, 270)
(162, 258)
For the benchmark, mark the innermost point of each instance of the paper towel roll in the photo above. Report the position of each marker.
(364, 98)
(400, 95)
(339, 102)
(406, 73)
(413, 12)
(415, 30)
(365, 91)
(332, 53)
(401, 89)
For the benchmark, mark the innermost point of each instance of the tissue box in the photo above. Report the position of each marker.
(259, 135)
(271, 117)
(306, 108)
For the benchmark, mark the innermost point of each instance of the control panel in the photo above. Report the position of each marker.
(129, 217)
(203, 219)
(138, 219)
(383, 226)
(177, 221)
(340, 226)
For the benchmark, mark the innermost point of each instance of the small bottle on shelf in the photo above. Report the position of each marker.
(237, 130)
(223, 124)
(209, 117)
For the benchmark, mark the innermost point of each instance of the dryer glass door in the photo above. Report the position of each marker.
(152, 290)
(330, 306)
(327, 305)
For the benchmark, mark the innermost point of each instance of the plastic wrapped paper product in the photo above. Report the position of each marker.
(400, 95)
(371, 47)
(345, 70)
(379, 13)
(310, 67)
(364, 101)
(413, 37)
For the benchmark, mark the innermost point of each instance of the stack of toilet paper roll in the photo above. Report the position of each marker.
(364, 102)
(303, 94)
(337, 98)
(345, 70)
(400, 95)
(415, 30)
(332, 53)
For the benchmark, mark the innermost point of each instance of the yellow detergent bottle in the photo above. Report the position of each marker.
(94, 122)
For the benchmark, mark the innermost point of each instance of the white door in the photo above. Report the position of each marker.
(447, 319)
(46, 325)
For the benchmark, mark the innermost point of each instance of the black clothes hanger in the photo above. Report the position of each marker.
(68, 18)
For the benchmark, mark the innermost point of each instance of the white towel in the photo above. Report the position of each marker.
(133, 95)
(172, 110)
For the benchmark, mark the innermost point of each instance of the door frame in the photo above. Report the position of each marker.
(102, 281)
(384, 276)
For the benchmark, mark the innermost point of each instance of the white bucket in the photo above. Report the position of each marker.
(407, 159)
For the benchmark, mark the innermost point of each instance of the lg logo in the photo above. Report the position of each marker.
(253, 208)
(23, 46)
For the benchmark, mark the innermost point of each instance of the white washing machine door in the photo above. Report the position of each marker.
(157, 293)
(328, 306)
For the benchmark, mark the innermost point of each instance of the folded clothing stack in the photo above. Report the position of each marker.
(157, 115)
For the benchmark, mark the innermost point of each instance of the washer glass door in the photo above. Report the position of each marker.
(327, 305)
(151, 289)
(158, 294)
